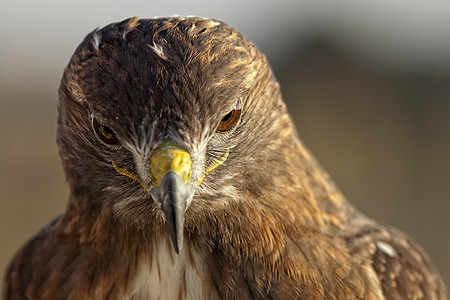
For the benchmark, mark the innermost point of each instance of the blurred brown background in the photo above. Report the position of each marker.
(368, 85)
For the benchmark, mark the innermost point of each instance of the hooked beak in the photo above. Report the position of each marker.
(172, 185)
(170, 165)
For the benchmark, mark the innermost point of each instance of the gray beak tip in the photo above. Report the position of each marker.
(173, 194)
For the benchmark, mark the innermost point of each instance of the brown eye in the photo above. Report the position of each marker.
(230, 119)
(105, 134)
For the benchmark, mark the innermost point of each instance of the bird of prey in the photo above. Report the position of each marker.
(188, 181)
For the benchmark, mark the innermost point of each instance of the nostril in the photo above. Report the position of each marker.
(169, 156)
(180, 161)
(181, 164)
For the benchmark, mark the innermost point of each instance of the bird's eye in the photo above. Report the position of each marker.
(230, 119)
(105, 134)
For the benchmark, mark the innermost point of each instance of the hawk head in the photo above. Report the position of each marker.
(165, 121)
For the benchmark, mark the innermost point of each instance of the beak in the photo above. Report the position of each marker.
(170, 166)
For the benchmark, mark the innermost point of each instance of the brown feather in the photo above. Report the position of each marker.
(268, 223)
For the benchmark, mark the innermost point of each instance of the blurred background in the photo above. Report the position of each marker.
(367, 82)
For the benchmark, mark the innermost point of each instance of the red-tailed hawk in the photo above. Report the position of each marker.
(188, 181)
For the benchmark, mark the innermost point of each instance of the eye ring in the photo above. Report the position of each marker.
(104, 133)
(230, 119)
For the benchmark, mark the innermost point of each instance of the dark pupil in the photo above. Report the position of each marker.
(107, 132)
(227, 117)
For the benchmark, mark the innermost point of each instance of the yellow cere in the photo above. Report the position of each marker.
(170, 156)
